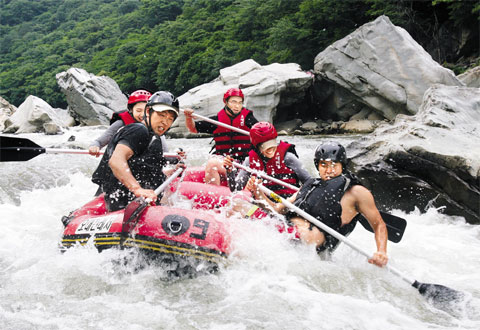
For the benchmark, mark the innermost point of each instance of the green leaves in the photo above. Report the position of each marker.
(178, 44)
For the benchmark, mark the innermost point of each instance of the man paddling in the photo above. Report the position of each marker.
(227, 142)
(132, 165)
(335, 199)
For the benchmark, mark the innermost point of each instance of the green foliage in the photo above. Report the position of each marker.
(178, 44)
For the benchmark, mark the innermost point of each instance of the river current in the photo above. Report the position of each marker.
(269, 283)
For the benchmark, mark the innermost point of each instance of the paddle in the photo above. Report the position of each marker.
(439, 294)
(15, 149)
(395, 225)
(136, 207)
(238, 130)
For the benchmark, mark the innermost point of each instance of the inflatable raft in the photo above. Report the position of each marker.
(190, 239)
(204, 196)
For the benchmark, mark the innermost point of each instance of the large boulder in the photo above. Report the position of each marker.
(471, 78)
(6, 110)
(429, 159)
(91, 99)
(35, 115)
(265, 88)
(382, 67)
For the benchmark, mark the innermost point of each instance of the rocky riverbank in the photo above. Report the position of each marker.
(421, 117)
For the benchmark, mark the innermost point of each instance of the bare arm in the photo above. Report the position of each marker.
(189, 122)
(119, 165)
(365, 204)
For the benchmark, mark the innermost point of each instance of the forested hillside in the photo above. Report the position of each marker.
(178, 44)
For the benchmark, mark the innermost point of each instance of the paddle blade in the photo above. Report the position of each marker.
(132, 214)
(13, 149)
(395, 226)
(11, 141)
(439, 294)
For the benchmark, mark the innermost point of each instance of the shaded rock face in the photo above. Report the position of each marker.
(430, 159)
(91, 99)
(264, 87)
(35, 115)
(6, 110)
(382, 67)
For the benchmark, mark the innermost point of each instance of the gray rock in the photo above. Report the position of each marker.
(363, 114)
(265, 88)
(52, 128)
(340, 105)
(375, 116)
(35, 115)
(6, 110)
(359, 126)
(471, 78)
(309, 126)
(383, 67)
(91, 99)
(430, 159)
(289, 126)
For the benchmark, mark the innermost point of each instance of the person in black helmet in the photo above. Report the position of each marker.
(335, 199)
(132, 165)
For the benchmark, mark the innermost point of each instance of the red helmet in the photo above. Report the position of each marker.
(262, 132)
(232, 92)
(139, 96)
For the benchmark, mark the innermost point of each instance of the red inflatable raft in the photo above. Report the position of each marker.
(198, 236)
(164, 233)
(204, 196)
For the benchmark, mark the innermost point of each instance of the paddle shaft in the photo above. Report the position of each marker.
(238, 130)
(395, 225)
(332, 232)
(67, 151)
(85, 152)
(22, 149)
(136, 207)
(265, 176)
(168, 180)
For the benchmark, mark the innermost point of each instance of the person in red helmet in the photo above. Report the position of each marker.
(227, 142)
(136, 106)
(278, 160)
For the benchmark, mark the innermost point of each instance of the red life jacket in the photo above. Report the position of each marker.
(275, 167)
(228, 142)
(124, 116)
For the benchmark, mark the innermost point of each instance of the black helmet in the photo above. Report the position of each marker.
(162, 101)
(330, 151)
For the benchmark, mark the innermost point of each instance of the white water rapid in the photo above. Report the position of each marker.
(269, 283)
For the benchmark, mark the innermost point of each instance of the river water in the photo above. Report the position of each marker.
(269, 282)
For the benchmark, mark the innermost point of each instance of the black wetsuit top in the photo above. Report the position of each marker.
(146, 165)
(321, 199)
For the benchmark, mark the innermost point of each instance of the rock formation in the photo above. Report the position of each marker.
(35, 115)
(6, 110)
(379, 66)
(265, 87)
(471, 78)
(91, 99)
(429, 159)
